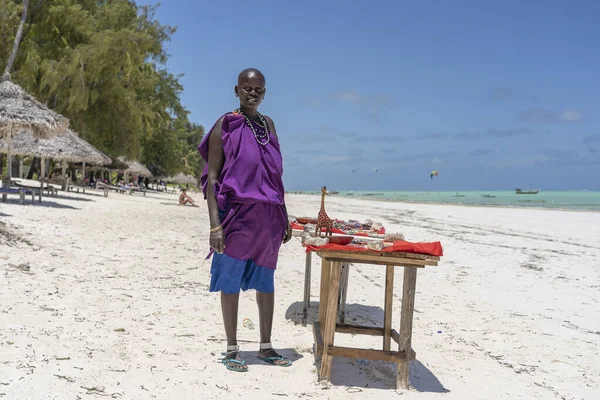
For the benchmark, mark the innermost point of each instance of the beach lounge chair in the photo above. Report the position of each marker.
(35, 186)
(60, 183)
(125, 189)
(107, 187)
(138, 189)
(49, 187)
(51, 190)
(77, 188)
(20, 191)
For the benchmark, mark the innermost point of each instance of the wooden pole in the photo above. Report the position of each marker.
(20, 167)
(42, 168)
(323, 295)
(330, 321)
(65, 183)
(9, 151)
(307, 273)
(388, 307)
(406, 324)
(7, 182)
(83, 171)
(42, 176)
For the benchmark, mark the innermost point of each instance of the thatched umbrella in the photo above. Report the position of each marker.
(112, 164)
(116, 164)
(68, 147)
(19, 110)
(182, 178)
(136, 168)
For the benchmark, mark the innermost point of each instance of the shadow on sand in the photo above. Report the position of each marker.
(170, 204)
(53, 204)
(358, 373)
(69, 198)
(149, 196)
(178, 205)
(45, 203)
(355, 313)
(89, 192)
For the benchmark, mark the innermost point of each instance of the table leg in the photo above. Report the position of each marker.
(343, 291)
(406, 323)
(325, 275)
(307, 272)
(388, 308)
(330, 321)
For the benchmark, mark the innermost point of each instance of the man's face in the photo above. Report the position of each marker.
(251, 90)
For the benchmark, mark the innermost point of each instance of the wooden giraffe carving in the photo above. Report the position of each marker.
(323, 220)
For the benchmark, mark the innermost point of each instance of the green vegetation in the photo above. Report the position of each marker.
(102, 65)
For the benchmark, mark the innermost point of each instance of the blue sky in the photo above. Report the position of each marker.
(492, 94)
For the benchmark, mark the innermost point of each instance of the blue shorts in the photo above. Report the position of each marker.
(229, 275)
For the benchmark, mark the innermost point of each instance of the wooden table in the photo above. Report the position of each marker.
(326, 327)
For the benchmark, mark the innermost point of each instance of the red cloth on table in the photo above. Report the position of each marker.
(433, 248)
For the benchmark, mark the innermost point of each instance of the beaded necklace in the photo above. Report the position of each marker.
(261, 132)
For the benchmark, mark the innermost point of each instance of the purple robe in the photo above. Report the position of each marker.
(249, 192)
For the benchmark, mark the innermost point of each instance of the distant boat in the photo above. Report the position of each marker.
(458, 195)
(373, 194)
(519, 191)
(350, 194)
(488, 196)
(334, 192)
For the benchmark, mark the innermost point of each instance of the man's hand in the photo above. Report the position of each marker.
(288, 233)
(217, 242)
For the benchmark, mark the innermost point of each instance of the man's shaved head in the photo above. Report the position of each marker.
(250, 89)
(250, 73)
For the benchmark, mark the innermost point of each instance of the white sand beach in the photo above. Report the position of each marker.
(108, 298)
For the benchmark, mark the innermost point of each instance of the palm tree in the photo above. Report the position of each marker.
(13, 55)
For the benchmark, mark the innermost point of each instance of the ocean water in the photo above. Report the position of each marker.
(567, 200)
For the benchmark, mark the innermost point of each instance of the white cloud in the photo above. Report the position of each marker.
(349, 96)
(571, 115)
(539, 116)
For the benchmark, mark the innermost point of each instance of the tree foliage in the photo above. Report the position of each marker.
(102, 65)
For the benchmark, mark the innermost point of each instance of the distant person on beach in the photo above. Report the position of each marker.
(184, 199)
(242, 182)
